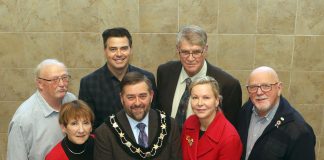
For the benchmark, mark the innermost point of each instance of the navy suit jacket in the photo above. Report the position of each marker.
(98, 91)
(293, 139)
(167, 79)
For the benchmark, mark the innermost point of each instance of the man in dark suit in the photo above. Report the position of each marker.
(122, 137)
(269, 127)
(101, 88)
(192, 48)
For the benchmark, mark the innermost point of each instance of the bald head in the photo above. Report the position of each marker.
(264, 71)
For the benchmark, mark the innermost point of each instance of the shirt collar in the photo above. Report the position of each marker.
(44, 106)
(133, 122)
(109, 73)
(183, 74)
(269, 116)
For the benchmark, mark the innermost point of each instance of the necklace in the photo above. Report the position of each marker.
(78, 153)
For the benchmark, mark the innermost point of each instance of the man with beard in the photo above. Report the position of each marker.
(101, 88)
(34, 129)
(269, 127)
(137, 131)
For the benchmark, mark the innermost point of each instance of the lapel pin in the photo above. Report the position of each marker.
(278, 123)
(190, 140)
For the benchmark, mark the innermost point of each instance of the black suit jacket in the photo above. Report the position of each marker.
(107, 146)
(293, 139)
(167, 79)
(98, 91)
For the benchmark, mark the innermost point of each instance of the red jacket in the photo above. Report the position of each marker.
(57, 153)
(220, 141)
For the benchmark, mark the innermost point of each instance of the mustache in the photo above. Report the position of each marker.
(137, 106)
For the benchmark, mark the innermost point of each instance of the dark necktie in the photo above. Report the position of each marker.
(142, 137)
(183, 105)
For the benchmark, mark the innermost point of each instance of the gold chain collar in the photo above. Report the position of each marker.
(138, 150)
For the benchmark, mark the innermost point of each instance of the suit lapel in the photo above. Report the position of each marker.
(173, 81)
(152, 126)
(191, 137)
(121, 116)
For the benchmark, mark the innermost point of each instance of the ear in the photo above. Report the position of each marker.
(121, 98)
(280, 87)
(206, 48)
(63, 128)
(39, 84)
(152, 95)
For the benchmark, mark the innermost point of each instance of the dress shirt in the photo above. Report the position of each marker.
(257, 126)
(181, 86)
(34, 129)
(133, 124)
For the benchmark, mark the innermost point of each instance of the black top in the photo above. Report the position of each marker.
(201, 133)
(78, 151)
(100, 90)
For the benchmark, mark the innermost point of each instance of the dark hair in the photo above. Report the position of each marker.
(132, 78)
(76, 109)
(116, 32)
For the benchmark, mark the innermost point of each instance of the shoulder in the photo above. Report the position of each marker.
(140, 70)
(169, 64)
(94, 74)
(25, 111)
(56, 153)
(220, 75)
(69, 97)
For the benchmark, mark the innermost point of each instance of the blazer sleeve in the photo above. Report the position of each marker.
(231, 149)
(102, 145)
(232, 102)
(176, 152)
(304, 147)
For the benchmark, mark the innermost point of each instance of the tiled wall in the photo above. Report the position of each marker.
(287, 35)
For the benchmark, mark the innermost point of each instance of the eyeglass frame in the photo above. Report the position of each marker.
(194, 53)
(57, 79)
(260, 86)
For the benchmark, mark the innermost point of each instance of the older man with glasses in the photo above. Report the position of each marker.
(34, 129)
(174, 77)
(269, 127)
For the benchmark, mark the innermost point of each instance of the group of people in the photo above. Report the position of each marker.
(192, 111)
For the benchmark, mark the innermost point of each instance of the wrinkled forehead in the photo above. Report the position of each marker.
(263, 76)
(52, 70)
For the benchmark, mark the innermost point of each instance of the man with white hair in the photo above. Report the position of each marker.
(34, 128)
(269, 127)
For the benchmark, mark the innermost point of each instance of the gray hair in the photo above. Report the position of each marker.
(195, 35)
(45, 63)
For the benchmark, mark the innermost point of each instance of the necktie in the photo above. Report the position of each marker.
(142, 137)
(183, 105)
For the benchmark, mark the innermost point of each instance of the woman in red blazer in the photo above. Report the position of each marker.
(76, 120)
(208, 135)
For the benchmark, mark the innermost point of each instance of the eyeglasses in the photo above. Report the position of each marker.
(65, 78)
(263, 87)
(194, 53)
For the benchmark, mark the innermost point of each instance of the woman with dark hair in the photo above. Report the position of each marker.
(208, 135)
(76, 120)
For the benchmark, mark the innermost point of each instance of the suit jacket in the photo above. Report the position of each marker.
(167, 79)
(108, 146)
(98, 90)
(219, 142)
(287, 137)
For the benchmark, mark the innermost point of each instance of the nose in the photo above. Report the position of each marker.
(137, 101)
(200, 102)
(259, 91)
(81, 128)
